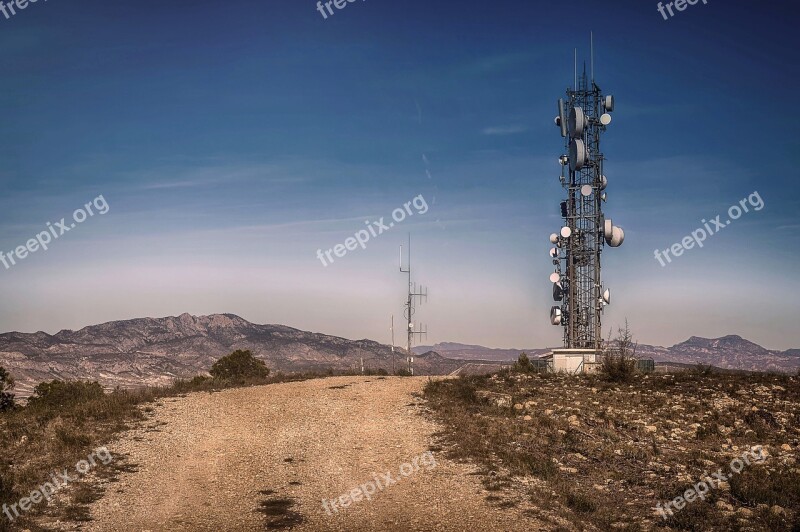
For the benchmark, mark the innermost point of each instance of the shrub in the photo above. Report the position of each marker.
(703, 370)
(581, 503)
(619, 360)
(239, 366)
(56, 394)
(6, 384)
(523, 364)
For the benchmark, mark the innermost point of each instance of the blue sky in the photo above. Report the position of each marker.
(232, 140)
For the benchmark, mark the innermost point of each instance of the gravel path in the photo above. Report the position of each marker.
(216, 458)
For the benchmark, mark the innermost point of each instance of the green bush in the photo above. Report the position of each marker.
(523, 364)
(617, 368)
(6, 384)
(56, 394)
(239, 366)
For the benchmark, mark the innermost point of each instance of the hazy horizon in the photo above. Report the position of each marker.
(398, 340)
(231, 143)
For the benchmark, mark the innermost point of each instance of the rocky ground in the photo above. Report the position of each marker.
(608, 454)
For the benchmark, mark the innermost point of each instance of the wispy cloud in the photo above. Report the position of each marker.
(504, 130)
(191, 177)
(492, 64)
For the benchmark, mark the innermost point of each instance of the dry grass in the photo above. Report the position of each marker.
(55, 432)
(586, 453)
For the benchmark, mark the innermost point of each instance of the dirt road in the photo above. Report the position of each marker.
(218, 460)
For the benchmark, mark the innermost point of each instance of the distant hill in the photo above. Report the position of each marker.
(729, 352)
(477, 352)
(153, 351)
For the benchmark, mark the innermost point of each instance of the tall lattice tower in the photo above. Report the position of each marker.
(582, 118)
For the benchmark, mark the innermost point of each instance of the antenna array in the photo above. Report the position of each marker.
(582, 118)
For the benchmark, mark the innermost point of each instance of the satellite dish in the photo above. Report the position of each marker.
(554, 252)
(586, 190)
(566, 232)
(608, 104)
(555, 316)
(604, 197)
(607, 296)
(607, 228)
(603, 182)
(557, 120)
(605, 119)
(577, 122)
(558, 292)
(617, 237)
(554, 238)
(555, 277)
(562, 116)
(577, 154)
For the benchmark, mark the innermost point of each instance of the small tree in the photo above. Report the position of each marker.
(238, 366)
(523, 364)
(6, 384)
(619, 359)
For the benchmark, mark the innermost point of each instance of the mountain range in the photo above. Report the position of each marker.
(729, 352)
(154, 351)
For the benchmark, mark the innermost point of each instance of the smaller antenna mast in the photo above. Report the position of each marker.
(422, 294)
(392, 329)
(591, 53)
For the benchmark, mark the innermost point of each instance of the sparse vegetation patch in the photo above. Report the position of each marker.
(588, 452)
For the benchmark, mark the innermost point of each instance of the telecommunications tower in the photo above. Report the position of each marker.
(583, 117)
(409, 310)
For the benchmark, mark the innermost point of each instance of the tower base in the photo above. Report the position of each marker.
(574, 361)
